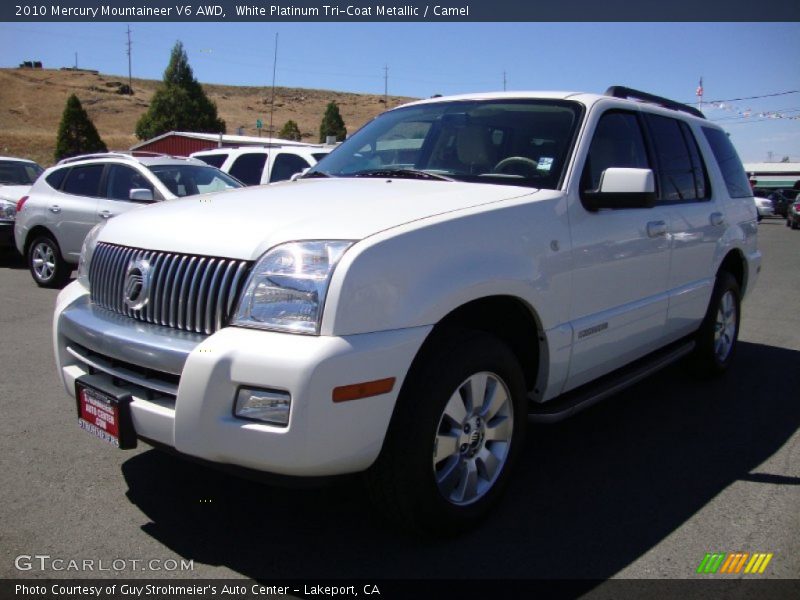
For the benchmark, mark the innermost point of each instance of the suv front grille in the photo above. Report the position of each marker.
(187, 292)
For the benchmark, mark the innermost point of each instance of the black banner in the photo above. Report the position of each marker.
(399, 11)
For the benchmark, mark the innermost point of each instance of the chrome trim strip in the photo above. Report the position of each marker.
(125, 374)
(116, 336)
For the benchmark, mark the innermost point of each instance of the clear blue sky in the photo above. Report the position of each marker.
(737, 60)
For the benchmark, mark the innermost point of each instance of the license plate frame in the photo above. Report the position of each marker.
(104, 411)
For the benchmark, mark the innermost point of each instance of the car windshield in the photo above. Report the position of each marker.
(512, 142)
(17, 172)
(188, 180)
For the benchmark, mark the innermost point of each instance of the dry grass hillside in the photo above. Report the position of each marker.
(32, 100)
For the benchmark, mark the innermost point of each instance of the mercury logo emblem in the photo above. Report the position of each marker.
(136, 289)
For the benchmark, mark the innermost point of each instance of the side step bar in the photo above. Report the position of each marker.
(585, 396)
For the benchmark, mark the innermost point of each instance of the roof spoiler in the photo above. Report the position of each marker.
(619, 91)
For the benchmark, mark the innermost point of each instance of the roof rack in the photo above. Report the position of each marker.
(619, 91)
(132, 155)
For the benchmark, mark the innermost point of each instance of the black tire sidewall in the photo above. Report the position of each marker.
(706, 359)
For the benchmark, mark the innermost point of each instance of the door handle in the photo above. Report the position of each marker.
(716, 218)
(55, 208)
(656, 229)
(105, 214)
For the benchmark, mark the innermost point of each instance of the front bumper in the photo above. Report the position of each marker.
(184, 386)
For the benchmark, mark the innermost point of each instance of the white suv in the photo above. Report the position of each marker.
(457, 267)
(76, 194)
(254, 165)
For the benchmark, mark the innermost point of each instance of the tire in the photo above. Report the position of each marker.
(47, 267)
(446, 461)
(795, 225)
(788, 222)
(718, 335)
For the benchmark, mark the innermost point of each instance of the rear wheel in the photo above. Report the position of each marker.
(46, 265)
(456, 432)
(717, 337)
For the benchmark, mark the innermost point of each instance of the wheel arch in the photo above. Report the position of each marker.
(36, 231)
(735, 264)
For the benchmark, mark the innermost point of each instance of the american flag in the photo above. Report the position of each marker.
(699, 91)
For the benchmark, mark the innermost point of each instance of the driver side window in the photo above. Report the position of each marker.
(617, 142)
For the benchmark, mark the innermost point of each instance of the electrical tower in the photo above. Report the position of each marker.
(129, 44)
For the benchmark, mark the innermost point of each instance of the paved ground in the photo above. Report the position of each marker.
(641, 486)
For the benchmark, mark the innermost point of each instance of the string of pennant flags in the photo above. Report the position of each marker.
(746, 113)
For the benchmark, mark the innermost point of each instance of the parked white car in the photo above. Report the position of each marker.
(76, 194)
(253, 165)
(457, 267)
(16, 177)
(764, 207)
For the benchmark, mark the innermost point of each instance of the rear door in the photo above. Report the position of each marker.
(72, 210)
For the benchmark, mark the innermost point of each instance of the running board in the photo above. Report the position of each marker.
(585, 396)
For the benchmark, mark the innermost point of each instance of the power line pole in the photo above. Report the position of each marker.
(386, 86)
(504, 81)
(130, 80)
(272, 101)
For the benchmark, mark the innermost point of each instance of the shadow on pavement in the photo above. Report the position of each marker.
(590, 496)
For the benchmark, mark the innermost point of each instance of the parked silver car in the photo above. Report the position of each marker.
(16, 177)
(76, 194)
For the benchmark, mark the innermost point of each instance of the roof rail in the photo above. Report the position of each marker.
(619, 91)
(132, 155)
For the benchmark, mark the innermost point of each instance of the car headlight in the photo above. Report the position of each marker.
(8, 210)
(286, 289)
(87, 250)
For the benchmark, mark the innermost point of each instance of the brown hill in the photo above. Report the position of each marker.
(32, 100)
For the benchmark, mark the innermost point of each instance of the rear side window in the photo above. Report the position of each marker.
(287, 165)
(732, 170)
(56, 178)
(318, 156)
(215, 160)
(248, 168)
(84, 181)
(681, 173)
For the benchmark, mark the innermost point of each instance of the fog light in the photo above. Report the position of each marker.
(269, 406)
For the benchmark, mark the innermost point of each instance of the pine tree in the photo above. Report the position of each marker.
(332, 124)
(179, 104)
(290, 131)
(76, 132)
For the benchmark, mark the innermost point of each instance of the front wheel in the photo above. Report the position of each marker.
(456, 432)
(717, 337)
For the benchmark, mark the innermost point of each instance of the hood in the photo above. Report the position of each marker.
(245, 223)
(13, 193)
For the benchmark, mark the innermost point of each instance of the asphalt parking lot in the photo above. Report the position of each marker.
(640, 486)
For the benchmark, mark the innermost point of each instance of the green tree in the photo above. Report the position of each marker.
(290, 131)
(332, 124)
(76, 132)
(179, 104)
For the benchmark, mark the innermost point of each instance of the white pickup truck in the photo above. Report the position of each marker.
(456, 268)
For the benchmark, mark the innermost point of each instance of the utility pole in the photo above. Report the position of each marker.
(130, 80)
(386, 86)
(272, 101)
(76, 61)
(504, 81)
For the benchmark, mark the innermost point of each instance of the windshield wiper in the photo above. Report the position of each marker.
(400, 173)
(313, 174)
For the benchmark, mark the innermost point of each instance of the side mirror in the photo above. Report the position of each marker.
(622, 188)
(141, 195)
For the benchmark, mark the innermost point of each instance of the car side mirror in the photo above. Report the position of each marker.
(622, 188)
(141, 195)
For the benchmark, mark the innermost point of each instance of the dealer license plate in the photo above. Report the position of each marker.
(105, 415)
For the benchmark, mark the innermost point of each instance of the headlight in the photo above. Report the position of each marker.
(87, 250)
(8, 210)
(287, 287)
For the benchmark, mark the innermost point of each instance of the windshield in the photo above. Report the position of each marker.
(188, 180)
(514, 142)
(16, 172)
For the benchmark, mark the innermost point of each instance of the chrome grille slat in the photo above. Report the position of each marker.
(191, 293)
